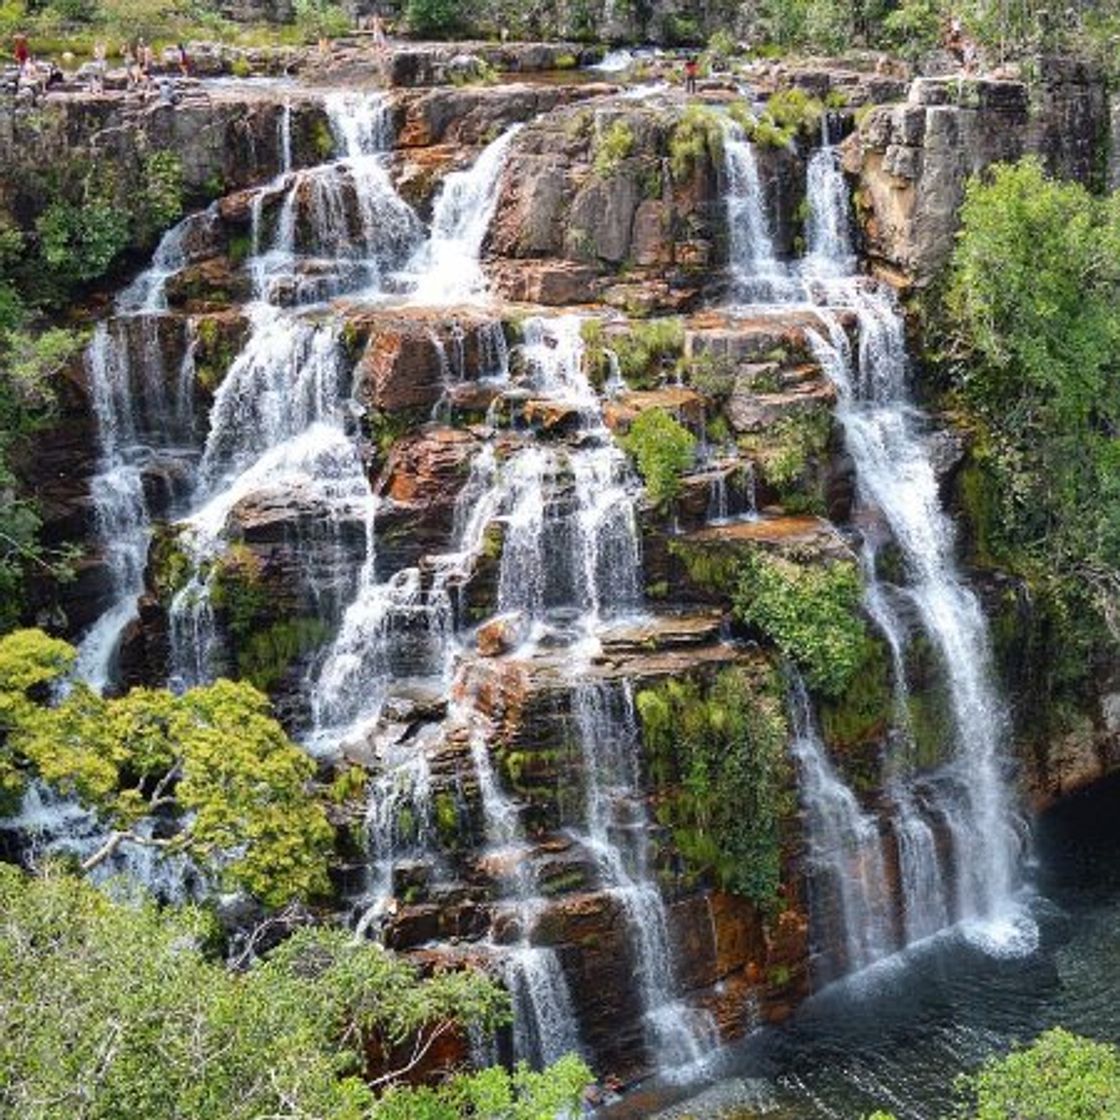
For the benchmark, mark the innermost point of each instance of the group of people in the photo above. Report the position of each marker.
(139, 64)
(35, 77)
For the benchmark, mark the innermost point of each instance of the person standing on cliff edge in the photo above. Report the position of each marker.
(22, 51)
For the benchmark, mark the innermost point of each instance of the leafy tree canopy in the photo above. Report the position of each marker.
(115, 1011)
(213, 763)
(1034, 304)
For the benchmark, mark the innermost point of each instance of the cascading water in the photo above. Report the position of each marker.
(615, 830)
(757, 275)
(544, 1026)
(845, 850)
(895, 476)
(446, 268)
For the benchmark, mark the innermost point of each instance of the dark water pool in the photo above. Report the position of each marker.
(897, 1037)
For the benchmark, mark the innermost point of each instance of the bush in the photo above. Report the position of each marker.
(612, 147)
(811, 612)
(663, 449)
(788, 113)
(647, 350)
(135, 1014)
(437, 19)
(1034, 331)
(697, 136)
(1058, 1077)
(717, 754)
(320, 19)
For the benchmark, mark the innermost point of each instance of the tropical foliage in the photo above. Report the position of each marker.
(1034, 337)
(114, 1010)
(211, 766)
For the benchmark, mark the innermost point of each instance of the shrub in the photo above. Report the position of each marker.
(1034, 327)
(435, 18)
(697, 136)
(663, 449)
(647, 350)
(320, 19)
(1058, 1077)
(811, 612)
(717, 753)
(612, 147)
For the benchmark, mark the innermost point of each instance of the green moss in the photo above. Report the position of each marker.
(711, 374)
(266, 655)
(565, 61)
(716, 753)
(790, 454)
(930, 721)
(169, 563)
(447, 819)
(855, 723)
(240, 246)
(214, 352)
(237, 593)
(712, 566)
(322, 139)
(648, 351)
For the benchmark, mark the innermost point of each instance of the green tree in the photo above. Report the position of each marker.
(1060, 1076)
(321, 19)
(114, 1010)
(437, 19)
(213, 760)
(29, 366)
(1034, 308)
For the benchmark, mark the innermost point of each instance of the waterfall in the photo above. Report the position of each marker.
(447, 267)
(974, 883)
(616, 827)
(544, 1025)
(143, 430)
(895, 475)
(845, 849)
(757, 275)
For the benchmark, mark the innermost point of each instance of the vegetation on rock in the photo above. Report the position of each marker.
(810, 612)
(1035, 330)
(717, 754)
(663, 449)
(697, 136)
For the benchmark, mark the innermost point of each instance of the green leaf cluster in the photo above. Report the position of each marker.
(1033, 303)
(320, 19)
(436, 19)
(663, 449)
(115, 1010)
(810, 611)
(611, 147)
(1060, 1076)
(717, 754)
(697, 137)
(29, 366)
(213, 759)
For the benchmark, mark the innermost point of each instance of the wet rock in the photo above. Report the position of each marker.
(500, 634)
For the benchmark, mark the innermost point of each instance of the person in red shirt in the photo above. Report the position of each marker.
(22, 52)
(690, 69)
